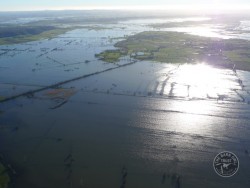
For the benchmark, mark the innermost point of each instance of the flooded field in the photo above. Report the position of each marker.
(69, 119)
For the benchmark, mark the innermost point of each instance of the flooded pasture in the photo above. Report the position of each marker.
(71, 120)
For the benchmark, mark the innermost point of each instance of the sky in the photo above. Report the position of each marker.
(13, 5)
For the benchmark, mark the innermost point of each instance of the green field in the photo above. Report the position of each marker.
(110, 56)
(174, 47)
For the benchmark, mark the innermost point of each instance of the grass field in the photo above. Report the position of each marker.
(174, 47)
(110, 56)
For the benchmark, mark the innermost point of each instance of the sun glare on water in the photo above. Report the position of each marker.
(203, 80)
(200, 80)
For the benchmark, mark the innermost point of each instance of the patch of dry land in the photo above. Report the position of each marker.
(175, 47)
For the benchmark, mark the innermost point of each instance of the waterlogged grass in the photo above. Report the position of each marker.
(28, 37)
(46, 29)
(60, 93)
(4, 177)
(174, 47)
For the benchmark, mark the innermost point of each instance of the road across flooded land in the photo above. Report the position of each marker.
(126, 124)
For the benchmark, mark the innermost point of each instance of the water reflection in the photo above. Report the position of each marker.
(204, 31)
(166, 20)
(204, 81)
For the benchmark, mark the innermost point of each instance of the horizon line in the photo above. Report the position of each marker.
(200, 7)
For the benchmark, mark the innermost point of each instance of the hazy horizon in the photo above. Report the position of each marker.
(181, 5)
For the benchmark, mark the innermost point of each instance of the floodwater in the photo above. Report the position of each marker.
(132, 124)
